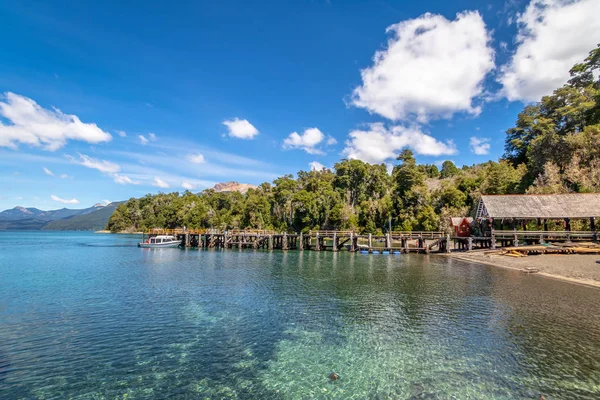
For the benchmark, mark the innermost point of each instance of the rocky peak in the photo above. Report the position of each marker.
(233, 187)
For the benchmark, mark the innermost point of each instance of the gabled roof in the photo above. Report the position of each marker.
(456, 221)
(571, 205)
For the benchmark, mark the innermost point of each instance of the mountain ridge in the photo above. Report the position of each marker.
(31, 218)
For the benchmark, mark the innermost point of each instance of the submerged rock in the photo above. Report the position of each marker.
(333, 376)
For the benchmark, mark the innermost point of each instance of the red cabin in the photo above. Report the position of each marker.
(462, 226)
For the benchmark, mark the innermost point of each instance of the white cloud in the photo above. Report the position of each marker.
(553, 36)
(106, 202)
(64, 201)
(316, 166)
(306, 141)
(188, 186)
(431, 68)
(160, 183)
(145, 140)
(48, 172)
(124, 180)
(240, 128)
(479, 146)
(64, 176)
(196, 158)
(121, 133)
(378, 143)
(104, 166)
(331, 141)
(37, 126)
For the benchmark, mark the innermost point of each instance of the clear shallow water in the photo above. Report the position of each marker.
(89, 316)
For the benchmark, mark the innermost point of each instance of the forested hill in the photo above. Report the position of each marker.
(553, 148)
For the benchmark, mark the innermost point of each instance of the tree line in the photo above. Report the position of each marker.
(554, 147)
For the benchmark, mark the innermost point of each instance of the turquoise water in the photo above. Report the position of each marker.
(86, 316)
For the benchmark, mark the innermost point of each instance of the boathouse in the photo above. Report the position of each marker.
(541, 207)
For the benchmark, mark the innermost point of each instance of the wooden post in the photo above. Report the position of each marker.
(568, 224)
(405, 245)
(301, 241)
(335, 242)
(470, 243)
(370, 242)
(187, 240)
(515, 239)
(352, 241)
(388, 241)
(447, 243)
(284, 245)
(318, 245)
(270, 242)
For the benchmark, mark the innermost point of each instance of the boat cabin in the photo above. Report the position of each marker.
(161, 239)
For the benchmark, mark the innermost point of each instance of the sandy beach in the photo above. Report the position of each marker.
(575, 268)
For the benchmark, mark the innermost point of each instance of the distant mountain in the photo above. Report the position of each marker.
(21, 218)
(233, 187)
(19, 213)
(90, 221)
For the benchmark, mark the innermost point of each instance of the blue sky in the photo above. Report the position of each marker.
(110, 100)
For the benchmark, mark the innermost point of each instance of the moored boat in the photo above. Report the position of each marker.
(160, 241)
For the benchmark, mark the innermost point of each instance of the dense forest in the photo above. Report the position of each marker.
(554, 147)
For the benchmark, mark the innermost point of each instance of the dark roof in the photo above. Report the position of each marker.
(571, 205)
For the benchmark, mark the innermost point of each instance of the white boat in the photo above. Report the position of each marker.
(160, 241)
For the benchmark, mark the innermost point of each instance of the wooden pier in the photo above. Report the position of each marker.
(405, 242)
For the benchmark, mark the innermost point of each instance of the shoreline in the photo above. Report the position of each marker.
(579, 269)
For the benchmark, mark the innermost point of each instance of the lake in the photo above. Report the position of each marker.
(90, 316)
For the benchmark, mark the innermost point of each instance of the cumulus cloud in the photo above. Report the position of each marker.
(479, 146)
(31, 124)
(124, 180)
(307, 141)
(553, 36)
(377, 143)
(143, 139)
(187, 185)
(432, 68)
(104, 166)
(316, 166)
(240, 128)
(48, 172)
(196, 158)
(64, 201)
(160, 183)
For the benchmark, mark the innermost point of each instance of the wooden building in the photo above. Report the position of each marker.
(461, 226)
(512, 209)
